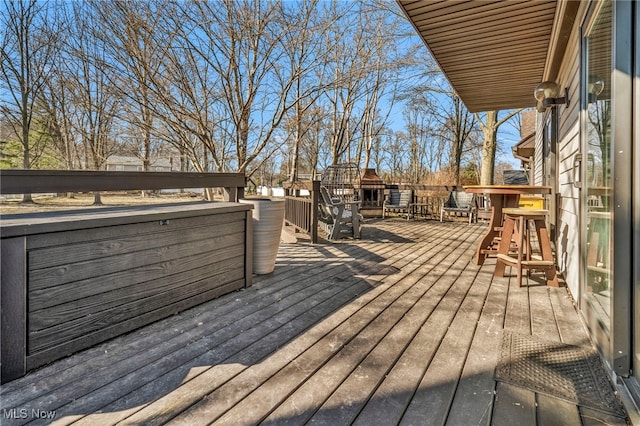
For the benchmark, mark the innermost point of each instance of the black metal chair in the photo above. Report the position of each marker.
(460, 202)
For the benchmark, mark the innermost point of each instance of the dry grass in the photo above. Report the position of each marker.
(85, 201)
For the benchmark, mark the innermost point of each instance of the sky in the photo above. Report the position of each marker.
(508, 134)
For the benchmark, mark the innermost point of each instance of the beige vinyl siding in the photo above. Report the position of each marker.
(568, 221)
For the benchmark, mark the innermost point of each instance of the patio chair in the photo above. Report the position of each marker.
(398, 200)
(460, 202)
(335, 218)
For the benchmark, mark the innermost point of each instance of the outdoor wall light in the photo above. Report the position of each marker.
(595, 87)
(546, 93)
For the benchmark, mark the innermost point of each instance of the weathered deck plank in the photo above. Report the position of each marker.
(321, 279)
(387, 404)
(431, 400)
(543, 319)
(361, 376)
(473, 400)
(514, 406)
(400, 327)
(311, 361)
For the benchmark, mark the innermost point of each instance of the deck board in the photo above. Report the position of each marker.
(400, 327)
(543, 320)
(473, 399)
(345, 277)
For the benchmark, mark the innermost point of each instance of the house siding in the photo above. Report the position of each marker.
(537, 159)
(568, 145)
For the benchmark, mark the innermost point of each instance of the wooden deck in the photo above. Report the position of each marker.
(400, 327)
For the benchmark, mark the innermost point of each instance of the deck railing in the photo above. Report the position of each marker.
(427, 199)
(301, 212)
(54, 181)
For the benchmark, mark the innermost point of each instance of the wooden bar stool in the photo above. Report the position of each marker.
(516, 228)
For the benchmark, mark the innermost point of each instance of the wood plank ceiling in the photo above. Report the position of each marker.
(493, 52)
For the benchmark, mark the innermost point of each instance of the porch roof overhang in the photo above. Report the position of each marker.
(494, 52)
(525, 149)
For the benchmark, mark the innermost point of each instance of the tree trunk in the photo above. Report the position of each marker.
(295, 155)
(26, 198)
(489, 146)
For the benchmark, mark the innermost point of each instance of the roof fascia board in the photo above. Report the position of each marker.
(565, 18)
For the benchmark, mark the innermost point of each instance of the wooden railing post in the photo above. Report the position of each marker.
(315, 200)
(232, 193)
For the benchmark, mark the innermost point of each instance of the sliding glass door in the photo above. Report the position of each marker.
(606, 177)
(597, 247)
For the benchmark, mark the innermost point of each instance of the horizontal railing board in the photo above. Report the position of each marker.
(55, 316)
(45, 356)
(46, 264)
(137, 229)
(48, 181)
(123, 279)
(48, 222)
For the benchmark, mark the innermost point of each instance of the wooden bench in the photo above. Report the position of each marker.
(399, 200)
(336, 219)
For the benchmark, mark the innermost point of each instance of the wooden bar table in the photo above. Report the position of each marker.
(501, 196)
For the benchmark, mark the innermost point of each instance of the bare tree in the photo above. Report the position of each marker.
(57, 102)
(314, 142)
(305, 53)
(377, 153)
(385, 68)
(347, 63)
(489, 129)
(129, 33)
(182, 92)
(96, 103)
(419, 122)
(241, 41)
(451, 126)
(28, 47)
(395, 155)
(459, 125)
(93, 100)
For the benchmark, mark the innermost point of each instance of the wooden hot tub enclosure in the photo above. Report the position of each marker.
(72, 279)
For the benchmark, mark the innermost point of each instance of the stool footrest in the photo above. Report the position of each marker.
(488, 251)
(524, 212)
(525, 263)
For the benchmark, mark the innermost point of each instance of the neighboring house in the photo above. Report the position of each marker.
(120, 163)
(495, 53)
(525, 149)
